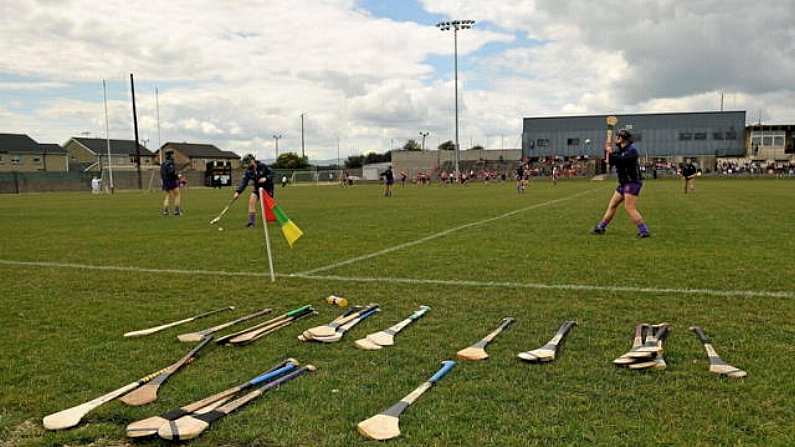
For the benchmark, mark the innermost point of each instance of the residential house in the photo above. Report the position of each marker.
(198, 157)
(19, 152)
(92, 153)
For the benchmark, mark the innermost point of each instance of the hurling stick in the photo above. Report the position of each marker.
(637, 342)
(152, 330)
(611, 124)
(263, 332)
(147, 392)
(150, 425)
(387, 337)
(224, 211)
(657, 362)
(386, 425)
(346, 327)
(367, 345)
(196, 336)
(650, 346)
(71, 416)
(191, 426)
(477, 351)
(716, 364)
(548, 352)
(270, 322)
(331, 328)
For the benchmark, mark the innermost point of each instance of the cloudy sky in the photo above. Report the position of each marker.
(373, 73)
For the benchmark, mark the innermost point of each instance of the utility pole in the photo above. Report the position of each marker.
(135, 125)
(456, 25)
(276, 138)
(303, 151)
(157, 108)
(107, 135)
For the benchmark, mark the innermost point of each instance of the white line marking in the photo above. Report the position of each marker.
(437, 282)
(440, 234)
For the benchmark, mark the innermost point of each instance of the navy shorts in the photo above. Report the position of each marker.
(170, 185)
(632, 189)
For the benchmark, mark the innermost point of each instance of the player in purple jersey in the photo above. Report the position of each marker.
(624, 156)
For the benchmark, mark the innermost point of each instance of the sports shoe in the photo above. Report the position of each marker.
(598, 230)
(250, 225)
(643, 235)
(164, 211)
(177, 212)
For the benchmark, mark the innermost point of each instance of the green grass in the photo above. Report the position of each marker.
(61, 344)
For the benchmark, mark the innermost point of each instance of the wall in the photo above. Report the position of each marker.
(412, 162)
(22, 182)
(55, 162)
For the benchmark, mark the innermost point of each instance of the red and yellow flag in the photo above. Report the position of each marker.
(274, 213)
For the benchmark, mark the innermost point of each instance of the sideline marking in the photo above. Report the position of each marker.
(438, 282)
(438, 235)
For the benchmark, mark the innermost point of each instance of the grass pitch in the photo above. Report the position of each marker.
(61, 327)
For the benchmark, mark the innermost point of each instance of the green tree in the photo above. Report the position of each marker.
(476, 147)
(354, 161)
(374, 157)
(447, 146)
(412, 145)
(290, 160)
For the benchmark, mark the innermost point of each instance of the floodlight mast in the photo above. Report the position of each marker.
(456, 25)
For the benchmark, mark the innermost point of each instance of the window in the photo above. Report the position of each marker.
(756, 141)
(717, 135)
(541, 142)
(778, 141)
(16, 159)
(685, 136)
(700, 136)
(731, 134)
(767, 141)
(132, 159)
(2, 160)
(573, 141)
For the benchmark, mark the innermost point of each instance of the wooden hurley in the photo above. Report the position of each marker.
(548, 352)
(270, 322)
(150, 426)
(337, 336)
(71, 416)
(657, 361)
(387, 337)
(197, 336)
(148, 392)
(259, 333)
(152, 330)
(637, 342)
(478, 351)
(386, 425)
(217, 218)
(611, 125)
(191, 426)
(716, 364)
(330, 329)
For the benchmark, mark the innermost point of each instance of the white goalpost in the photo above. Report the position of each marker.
(319, 177)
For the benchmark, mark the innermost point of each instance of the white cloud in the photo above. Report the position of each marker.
(235, 73)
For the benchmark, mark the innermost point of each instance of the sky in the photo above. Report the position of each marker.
(368, 75)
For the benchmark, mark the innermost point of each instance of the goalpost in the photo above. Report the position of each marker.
(320, 177)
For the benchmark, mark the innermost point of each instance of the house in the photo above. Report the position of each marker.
(19, 152)
(197, 157)
(92, 153)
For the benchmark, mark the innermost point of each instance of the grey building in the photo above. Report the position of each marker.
(656, 134)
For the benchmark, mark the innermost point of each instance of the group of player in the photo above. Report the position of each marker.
(622, 155)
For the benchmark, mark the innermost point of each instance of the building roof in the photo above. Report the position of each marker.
(20, 143)
(117, 147)
(11, 142)
(52, 148)
(193, 150)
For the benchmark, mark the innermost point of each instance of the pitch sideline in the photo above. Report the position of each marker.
(414, 281)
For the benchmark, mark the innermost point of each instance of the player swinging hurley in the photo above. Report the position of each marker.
(262, 176)
(624, 156)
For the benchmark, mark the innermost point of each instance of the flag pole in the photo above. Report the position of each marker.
(267, 236)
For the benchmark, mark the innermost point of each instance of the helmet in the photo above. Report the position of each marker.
(247, 159)
(624, 133)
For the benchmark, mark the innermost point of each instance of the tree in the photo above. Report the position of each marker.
(374, 157)
(290, 160)
(447, 146)
(412, 145)
(354, 161)
(476, 147)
